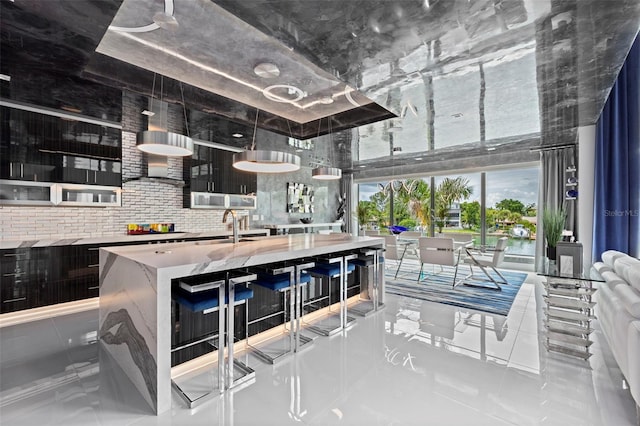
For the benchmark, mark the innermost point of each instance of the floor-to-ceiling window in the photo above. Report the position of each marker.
(511, 208)
(509, 204)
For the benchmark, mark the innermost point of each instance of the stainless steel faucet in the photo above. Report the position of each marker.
(234, 215)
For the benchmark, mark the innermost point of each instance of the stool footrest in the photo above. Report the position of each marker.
(208, 338)
(329, 324)
(276, 349)
(189, 388)
(364, 308)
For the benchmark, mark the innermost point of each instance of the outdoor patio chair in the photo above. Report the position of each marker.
(391, 251)
(410, 241)
(438, 251)
(410, 234)
(483, 262)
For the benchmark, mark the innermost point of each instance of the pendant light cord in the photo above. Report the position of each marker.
(184, 109)
(330, 143)
(255, 128)
(153, 90)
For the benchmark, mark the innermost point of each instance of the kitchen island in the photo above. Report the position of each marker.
(135, 295)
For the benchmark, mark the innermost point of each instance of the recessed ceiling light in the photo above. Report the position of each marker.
(266, 70)
(237, 135)
(148, 113)
(362, 167)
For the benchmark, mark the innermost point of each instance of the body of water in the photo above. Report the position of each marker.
(519, 246)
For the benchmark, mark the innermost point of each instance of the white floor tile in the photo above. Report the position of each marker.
(414, 363)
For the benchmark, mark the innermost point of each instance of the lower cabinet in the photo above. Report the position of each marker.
(32, 277)
(15, 292)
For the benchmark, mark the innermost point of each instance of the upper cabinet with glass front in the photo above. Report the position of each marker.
(43, 147)
(210, 170)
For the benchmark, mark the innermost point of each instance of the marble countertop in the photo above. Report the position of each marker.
(191, 258)
(302, 225)
(120, 238)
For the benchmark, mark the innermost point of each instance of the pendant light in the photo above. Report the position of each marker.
(327, 172)
(159, 141)
(265, 161)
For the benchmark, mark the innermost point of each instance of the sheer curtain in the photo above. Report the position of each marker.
(617, 164)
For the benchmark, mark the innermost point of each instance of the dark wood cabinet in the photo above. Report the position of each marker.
(32, 277)
(24, 273)
(46, 148)
(244, 183)
(204, 171)
(14, 267)
(79, 273)
(211, 170)
(91, 171)
(22, 154)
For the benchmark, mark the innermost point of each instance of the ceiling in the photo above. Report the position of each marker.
(413, 75)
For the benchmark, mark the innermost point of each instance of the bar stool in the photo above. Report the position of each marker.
(371, 296)
(335, 265)
(237, 293)
(287, 278)
(199, 294)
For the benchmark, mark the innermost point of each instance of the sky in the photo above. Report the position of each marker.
(517, 184)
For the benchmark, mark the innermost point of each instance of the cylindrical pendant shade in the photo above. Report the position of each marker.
(326, 173)
(266, 161)
(164, 143)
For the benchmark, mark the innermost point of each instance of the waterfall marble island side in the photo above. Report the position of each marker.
(135, 295)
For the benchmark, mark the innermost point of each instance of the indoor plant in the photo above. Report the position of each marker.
(552, 226)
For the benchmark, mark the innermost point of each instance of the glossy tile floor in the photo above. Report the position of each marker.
(413, 363)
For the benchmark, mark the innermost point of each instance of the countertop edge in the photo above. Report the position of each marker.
(185, 259)
(119, 238)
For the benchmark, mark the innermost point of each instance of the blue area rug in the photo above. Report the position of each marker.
(437, 287)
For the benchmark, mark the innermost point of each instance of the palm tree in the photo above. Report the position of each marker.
(363, 213)
(416, 195)
(449, 191)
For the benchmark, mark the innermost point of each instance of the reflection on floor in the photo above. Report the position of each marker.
(413, 363)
